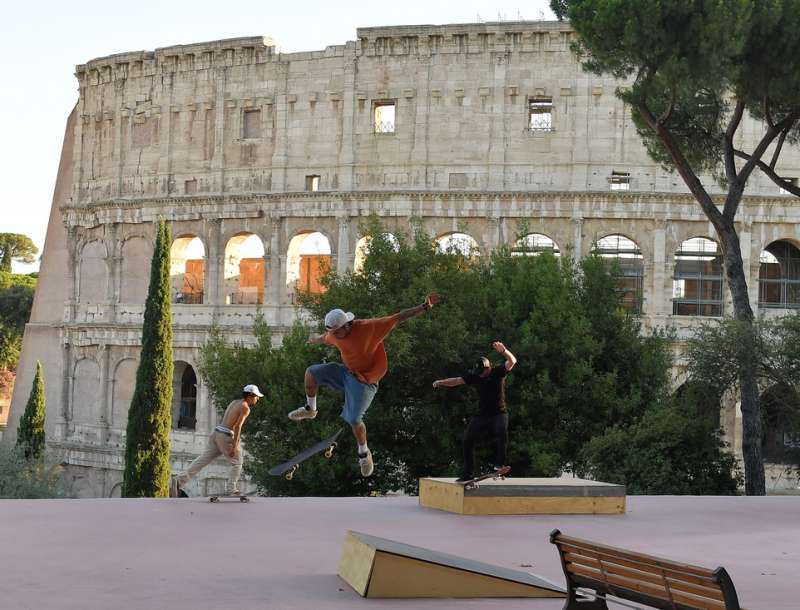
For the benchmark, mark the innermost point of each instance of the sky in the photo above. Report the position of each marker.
(42, 42)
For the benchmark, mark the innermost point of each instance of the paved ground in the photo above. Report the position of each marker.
(282, 553)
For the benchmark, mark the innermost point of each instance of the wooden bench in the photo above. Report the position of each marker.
(652, 581)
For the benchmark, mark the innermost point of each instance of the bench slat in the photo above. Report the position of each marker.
(617, 585)
(631, 570)
(647, 563)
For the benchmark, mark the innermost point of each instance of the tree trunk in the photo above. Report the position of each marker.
(754, 482)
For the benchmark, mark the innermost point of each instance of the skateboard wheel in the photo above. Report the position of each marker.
(289, 476)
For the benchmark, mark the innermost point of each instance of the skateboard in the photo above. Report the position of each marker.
(288, 468)
(495, 474)
(241, 497)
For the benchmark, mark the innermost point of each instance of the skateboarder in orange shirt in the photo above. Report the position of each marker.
(360, 343)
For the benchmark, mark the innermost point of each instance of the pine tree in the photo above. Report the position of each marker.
(147, 463)
(30, 436)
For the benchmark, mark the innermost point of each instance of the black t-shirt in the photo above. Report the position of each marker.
(491, 390)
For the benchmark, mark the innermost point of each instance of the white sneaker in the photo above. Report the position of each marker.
(366, 463)
(304, 412)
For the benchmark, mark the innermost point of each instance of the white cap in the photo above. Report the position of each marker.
(252, 389)
(336, 318)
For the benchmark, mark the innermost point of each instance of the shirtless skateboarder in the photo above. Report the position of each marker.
(224, 440)
(364, 363)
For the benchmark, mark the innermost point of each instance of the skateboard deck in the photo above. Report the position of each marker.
(240, 497)
(495, 474)
(289, 467)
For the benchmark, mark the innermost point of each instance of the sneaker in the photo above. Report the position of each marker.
(366, 463)
(304, 412)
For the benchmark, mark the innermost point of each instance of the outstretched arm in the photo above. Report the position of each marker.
(430, 300)
(450, 382)
(314, 338)
(511, 360)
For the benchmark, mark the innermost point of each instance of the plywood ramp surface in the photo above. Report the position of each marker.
(377, 567)
(524, 496)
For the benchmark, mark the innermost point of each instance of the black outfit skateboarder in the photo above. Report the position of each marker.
(492, 417)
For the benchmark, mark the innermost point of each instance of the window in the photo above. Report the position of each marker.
(312, 182)
(251, 124)
(697, 285)
(627, 256)
(620, 181)
(783, 191)
(779, 276)
(190, 186)
(540, 114)
(457, 181)
(384, 117)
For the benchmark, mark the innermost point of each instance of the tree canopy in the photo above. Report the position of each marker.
(16, 247)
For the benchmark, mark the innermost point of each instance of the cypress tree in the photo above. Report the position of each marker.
(147, 464)
(30, 435)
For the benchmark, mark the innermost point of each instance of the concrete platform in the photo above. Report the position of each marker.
(523, 496)
(282, 553)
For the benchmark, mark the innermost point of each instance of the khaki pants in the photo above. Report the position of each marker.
(218, 444)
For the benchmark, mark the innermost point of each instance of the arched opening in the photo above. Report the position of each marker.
(780, 412)
(779, 276)
(363, 247)
(308, 259)
(244, 270)
(534, 244)
(697, 284)
(627, 256)
(93, 277)
(184, 393)
(187, 269)
(459, 243)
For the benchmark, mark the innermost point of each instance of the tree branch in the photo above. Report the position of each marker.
(736, 119)
(771, 174)
(778, 147)
(667, 115)
(767, 112)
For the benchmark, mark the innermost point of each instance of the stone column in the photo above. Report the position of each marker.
(349, 113)
(66, 390)
(215, 257)
(104, 398)
(497, 133)
(280, 155)
(274, 266)
(750, 263)
(345, 259)
(656, 305)
(577, 238)
(218, 161)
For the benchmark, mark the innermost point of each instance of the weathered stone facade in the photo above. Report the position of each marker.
(230, 138)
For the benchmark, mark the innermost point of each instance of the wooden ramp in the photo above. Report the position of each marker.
(377, 567)
(523, 497)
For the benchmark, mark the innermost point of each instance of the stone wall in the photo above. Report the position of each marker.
(222, 138)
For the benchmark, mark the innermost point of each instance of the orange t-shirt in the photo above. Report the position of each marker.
(362, 350)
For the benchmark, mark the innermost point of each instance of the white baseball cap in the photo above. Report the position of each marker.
(336, 318)
(252, 389)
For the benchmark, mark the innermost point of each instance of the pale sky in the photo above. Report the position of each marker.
(42, 42)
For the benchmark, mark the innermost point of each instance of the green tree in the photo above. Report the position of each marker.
(692, 70)
(30, 434)
(579, 369)
(674, 448)
(22, 478)
(15, 246)
(16, 301)
(147, 457)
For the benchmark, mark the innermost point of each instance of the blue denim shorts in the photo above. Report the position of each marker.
(357, 396)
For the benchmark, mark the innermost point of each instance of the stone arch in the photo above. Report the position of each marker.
(136, 253)
(93, 273)
(534, 244)
(123, 384)
(187, 269)
(116, 490)
(244, 268)
(627, 254)
(362, 249)
(780, 406)
(458, 243)
(184, 396)
(86, 407)
(308, 258)
(698, 278)
(779, 276)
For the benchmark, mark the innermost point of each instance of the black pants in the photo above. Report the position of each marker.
(480, 427)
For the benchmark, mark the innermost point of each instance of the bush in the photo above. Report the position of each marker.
(26, 479)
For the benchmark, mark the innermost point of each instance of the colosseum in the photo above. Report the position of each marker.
(265, 164)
